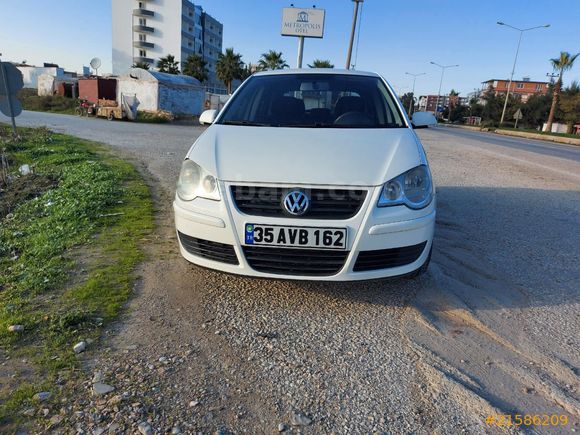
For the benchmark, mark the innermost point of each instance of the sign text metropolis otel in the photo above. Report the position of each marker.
(308, 23)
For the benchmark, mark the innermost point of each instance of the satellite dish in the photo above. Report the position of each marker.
(95, 64)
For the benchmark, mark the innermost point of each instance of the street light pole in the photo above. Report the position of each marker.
(443, 68)
(352, 33)
(507, 95)
(413, 91)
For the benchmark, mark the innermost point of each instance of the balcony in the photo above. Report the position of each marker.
(143, 13)
(142, 59)
(143, 44)
(143, 29)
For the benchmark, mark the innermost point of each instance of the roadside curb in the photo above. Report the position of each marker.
(544, 137)
(565, 140)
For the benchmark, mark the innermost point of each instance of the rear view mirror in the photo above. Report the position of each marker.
(423, 119)
(208, 117)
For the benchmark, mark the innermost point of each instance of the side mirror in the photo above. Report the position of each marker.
(208, 117)
(423, 119)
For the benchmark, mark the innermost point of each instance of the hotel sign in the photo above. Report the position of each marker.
(308, 23)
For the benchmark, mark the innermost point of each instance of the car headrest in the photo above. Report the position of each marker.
(349, 104)
(288, 107)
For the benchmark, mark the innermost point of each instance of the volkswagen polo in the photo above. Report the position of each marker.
(308, 174)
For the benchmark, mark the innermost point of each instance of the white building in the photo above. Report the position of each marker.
(31, 73)
(146, 30)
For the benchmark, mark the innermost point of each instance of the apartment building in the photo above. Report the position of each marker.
(428, 103)
(524, 88)
(146, 30)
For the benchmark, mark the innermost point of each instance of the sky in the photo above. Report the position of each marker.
(395, 36)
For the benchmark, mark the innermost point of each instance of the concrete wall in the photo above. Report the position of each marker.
(45, 84)
(145, 91)
(30, 74)
(181, 99)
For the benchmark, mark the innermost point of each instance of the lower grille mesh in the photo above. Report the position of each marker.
(386, 258)
(209, 250)
(288, 261)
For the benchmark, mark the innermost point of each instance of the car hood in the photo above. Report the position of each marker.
(322, 156)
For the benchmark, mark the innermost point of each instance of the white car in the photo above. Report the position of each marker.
(308, 174)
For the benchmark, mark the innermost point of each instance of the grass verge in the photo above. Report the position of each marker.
(544, 133)
(69, 245)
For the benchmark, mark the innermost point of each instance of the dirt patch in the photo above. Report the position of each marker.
(23, 189)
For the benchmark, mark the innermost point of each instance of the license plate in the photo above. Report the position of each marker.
(295, 237)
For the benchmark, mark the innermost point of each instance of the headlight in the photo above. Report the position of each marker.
(413, 189)
(194, 181)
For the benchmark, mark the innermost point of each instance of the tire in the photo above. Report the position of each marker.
(110, 116)
(79, 111)
(423, 269)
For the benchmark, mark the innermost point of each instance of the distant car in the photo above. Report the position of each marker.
(308, 174)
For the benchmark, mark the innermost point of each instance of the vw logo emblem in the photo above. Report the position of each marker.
(296, 203)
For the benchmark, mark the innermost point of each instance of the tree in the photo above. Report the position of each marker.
(319, 63)
(246, 72)
(229, 67)
(561, 64)
(408, 99)
(195, 67)
(272, 60)
(142, 65)
(536, 110)
(168, 65)
(570, 105)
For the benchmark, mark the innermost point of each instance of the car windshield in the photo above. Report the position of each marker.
(314, 100)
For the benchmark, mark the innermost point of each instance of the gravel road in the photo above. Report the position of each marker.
(491, 329)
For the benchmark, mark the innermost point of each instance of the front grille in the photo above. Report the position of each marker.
(386, 258)
(209, 250)
(324, 203)
(288, 261)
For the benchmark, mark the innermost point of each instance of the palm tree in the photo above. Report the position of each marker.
(561, 64)
(142, 65)
(195, 67)
(229, 67)
(319, 63)
(168, 65)
(272, 60)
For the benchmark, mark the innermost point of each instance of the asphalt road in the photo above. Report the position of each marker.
(551, 149)
(491, 329)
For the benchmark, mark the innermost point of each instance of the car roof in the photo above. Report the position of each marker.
(316, 71)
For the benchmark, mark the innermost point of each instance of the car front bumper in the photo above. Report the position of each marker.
(211, 234)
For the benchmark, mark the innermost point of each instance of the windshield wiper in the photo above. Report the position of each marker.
(246, 123)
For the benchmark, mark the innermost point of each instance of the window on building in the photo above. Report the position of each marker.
(520, 86)
(142, 37)
(191, 14)
(140, 5)
(189, 44)
(142, 22)
(142, 53)
(190, 29)
(539, 87)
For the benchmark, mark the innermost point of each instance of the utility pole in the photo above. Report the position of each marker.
(300, 51)
(515, 61)
(443, 68)
(352, 33)
(413, 91)
(552, 77)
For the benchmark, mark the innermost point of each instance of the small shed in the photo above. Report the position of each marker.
(155, 91)
(94, 89)
(51, 85)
